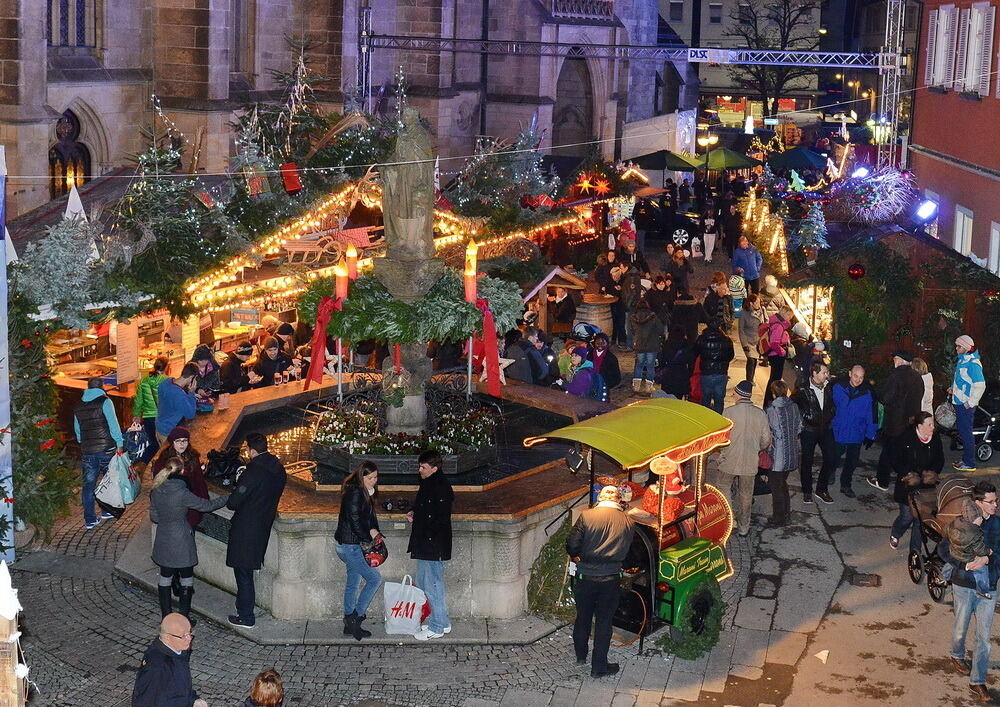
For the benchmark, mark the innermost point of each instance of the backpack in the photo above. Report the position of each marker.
(598, 388)
(764, 338)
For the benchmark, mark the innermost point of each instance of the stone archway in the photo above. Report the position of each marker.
(573, 115)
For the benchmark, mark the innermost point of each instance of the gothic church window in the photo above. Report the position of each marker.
(71, 23)
(69, 159)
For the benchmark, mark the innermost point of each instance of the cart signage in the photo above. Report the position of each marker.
(693, 557)
(715, 519)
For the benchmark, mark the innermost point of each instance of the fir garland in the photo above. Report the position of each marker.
(370, 312)
(679, 640)
(549, 594)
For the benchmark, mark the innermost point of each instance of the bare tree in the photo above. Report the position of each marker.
(774, 24)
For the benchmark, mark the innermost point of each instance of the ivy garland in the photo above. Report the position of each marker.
(371, 313)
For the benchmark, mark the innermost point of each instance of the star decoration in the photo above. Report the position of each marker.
(602, 186)
(584, 184)
(504, 362)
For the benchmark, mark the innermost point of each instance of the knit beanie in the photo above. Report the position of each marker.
(581, 351)
(244, 349)
(178, 433)
(269, 343)
(744, 389)
(285, 329)
(966, 341)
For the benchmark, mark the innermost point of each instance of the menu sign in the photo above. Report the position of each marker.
(127, 351)
(246, 315)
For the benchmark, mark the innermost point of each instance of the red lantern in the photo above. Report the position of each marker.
(290, 177)
(856, 271)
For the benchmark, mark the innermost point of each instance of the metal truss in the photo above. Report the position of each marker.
(830, 60)
(888, 100)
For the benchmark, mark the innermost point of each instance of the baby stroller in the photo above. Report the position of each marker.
(934, 510)
(985, 424)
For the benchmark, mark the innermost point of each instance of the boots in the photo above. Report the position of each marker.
(352, 625)
(175, 584)
(166, 601)
(636, 385)
(184, 603)
(648, 387)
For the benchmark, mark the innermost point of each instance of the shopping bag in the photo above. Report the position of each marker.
(127, 478)
(109, 493)
(944, 415)
(136, 442)
(404, 605)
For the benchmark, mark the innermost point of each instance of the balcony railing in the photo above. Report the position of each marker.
(583, 9)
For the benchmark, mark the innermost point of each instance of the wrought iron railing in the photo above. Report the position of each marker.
(583, 9)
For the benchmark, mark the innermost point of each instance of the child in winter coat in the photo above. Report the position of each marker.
(968, 543)
(737, 290)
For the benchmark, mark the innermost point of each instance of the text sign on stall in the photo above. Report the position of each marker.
(190, 334)
(710, 56)
(246, 316)
(127, 351)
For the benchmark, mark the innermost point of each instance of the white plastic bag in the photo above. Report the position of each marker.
(945, 416)
(403, 606)
(109, 491)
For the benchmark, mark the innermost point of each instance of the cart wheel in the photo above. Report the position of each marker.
(936, 585)
(984, 451)
(915, 566)
(698, 623)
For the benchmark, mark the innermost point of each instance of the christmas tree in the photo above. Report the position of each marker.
(811, 232)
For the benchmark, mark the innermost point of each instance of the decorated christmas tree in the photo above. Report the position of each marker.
(811, 232)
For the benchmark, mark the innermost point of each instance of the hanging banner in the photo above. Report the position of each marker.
(6, 461)
(127, 351)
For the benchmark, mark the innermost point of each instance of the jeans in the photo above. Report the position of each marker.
(430, 578)
(982, 577)
(713, 391)
(906, 520)
(966, 603)
(246, 595)
(595, 599)
(94, 467)
(358, 569)
(645, 366)
(828, 448)
(640, 240)
(963, 423)
(850, 453)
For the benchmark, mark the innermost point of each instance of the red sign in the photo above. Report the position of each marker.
(715, 517)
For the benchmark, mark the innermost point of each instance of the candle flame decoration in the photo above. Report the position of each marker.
(470, 286)
(352, 262)
(472, 255)
(341, 279)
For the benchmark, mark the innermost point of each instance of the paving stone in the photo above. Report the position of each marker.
(785, 647)
(518, 698)
(751, 647)
(623, 700)
(755, 613)
(477, 702)
(594, 694)
(648, 698)
(657, 674)
(564, 697)
(746, 672)
(684, 686)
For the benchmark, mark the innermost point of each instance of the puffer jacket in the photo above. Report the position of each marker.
(715, 350)
(357, 518)
(646, 330)
(969, 383)
(854, 421)
(144, 403)
(785, 421)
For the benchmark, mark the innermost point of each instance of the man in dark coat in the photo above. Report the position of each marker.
(164, 677)
(430, 540)
(815, 401)
(900, 395)
(255, 504)
(233, 375)
(715, 351)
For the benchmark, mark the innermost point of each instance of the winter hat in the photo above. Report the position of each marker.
(609, 493)
(202, 353)
(673, 485)
(178, 433)
(966, 341)
(744, 389)
(269, 343)
(581, 351)
(285, 329)
(244, 349)
(906, 355)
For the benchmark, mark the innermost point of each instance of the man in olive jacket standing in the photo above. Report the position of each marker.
(430, 540)
(737, 462)
(255, 505)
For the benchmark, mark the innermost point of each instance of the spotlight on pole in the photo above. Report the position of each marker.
(860, 172)
(926, 211)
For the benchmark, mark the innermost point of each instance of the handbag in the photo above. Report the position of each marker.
(944, 415)
(225, 466)
(764, 460)
(129, 483)
(404, 605)
(375, 552)
(136, 442)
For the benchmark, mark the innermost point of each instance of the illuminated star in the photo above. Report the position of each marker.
(504, 362)
(602, 186)
(584, 184)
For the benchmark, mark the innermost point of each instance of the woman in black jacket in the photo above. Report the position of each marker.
(357, 528)
(676, 363)
(914, 453)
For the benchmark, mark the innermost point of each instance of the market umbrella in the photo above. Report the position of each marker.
(665, 159)
(724, 158)
(798, 158)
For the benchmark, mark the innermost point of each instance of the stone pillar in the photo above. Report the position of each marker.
(24, 120)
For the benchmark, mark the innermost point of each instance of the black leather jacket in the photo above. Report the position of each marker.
(815, 419)
(357, 518)
(715, 350)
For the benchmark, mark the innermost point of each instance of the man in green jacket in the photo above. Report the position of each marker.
(144, 405)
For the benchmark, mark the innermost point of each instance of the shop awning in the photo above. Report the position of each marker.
(636, 434)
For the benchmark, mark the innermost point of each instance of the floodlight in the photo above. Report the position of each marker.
(925, 211)
(860, 172)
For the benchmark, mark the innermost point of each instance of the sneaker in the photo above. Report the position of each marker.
(425, 627)
(893, 542)
(92, 524)
(824, 497)
(807, 498)
(612, 669)
(425, 634)
(106, 516)
(237, 620)
(872, 481)
(959, 466)
(849, 493)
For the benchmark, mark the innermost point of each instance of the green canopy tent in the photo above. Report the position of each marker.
(798, 158)
(666, 160)
(722, 158)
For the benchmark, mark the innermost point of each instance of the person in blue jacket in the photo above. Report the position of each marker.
(100, 436)
(175, 401)
(749, 258)
(854, 423)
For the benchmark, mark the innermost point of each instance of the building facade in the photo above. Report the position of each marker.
(77, 76)
(955, 153)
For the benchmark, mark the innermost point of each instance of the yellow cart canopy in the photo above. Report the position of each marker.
(636, 434)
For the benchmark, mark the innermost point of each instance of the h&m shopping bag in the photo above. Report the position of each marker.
(404, 605)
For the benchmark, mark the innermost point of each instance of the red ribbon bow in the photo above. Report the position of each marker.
(317, 357)
(487, 344)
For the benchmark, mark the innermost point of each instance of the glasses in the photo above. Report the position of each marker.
(990, 503)
(189, 634)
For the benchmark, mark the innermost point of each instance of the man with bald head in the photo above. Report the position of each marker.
(164, 678)
(854, 423)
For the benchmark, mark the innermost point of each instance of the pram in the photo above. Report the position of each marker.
(934, 510)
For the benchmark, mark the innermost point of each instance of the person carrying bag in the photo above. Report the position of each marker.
(357, 533)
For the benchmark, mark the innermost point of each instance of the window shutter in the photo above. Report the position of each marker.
(961, 47)
(932, 30)
(949, 41)
(986, 51)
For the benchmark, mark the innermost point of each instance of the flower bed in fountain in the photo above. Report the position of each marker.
(346, 437)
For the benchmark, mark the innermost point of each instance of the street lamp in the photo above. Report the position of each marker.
(707, 140)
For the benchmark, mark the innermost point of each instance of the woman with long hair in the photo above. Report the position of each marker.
(178, 446)
(268, 690)
(174, 550)
(144, 405)
(357, 529)
(917, 457)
